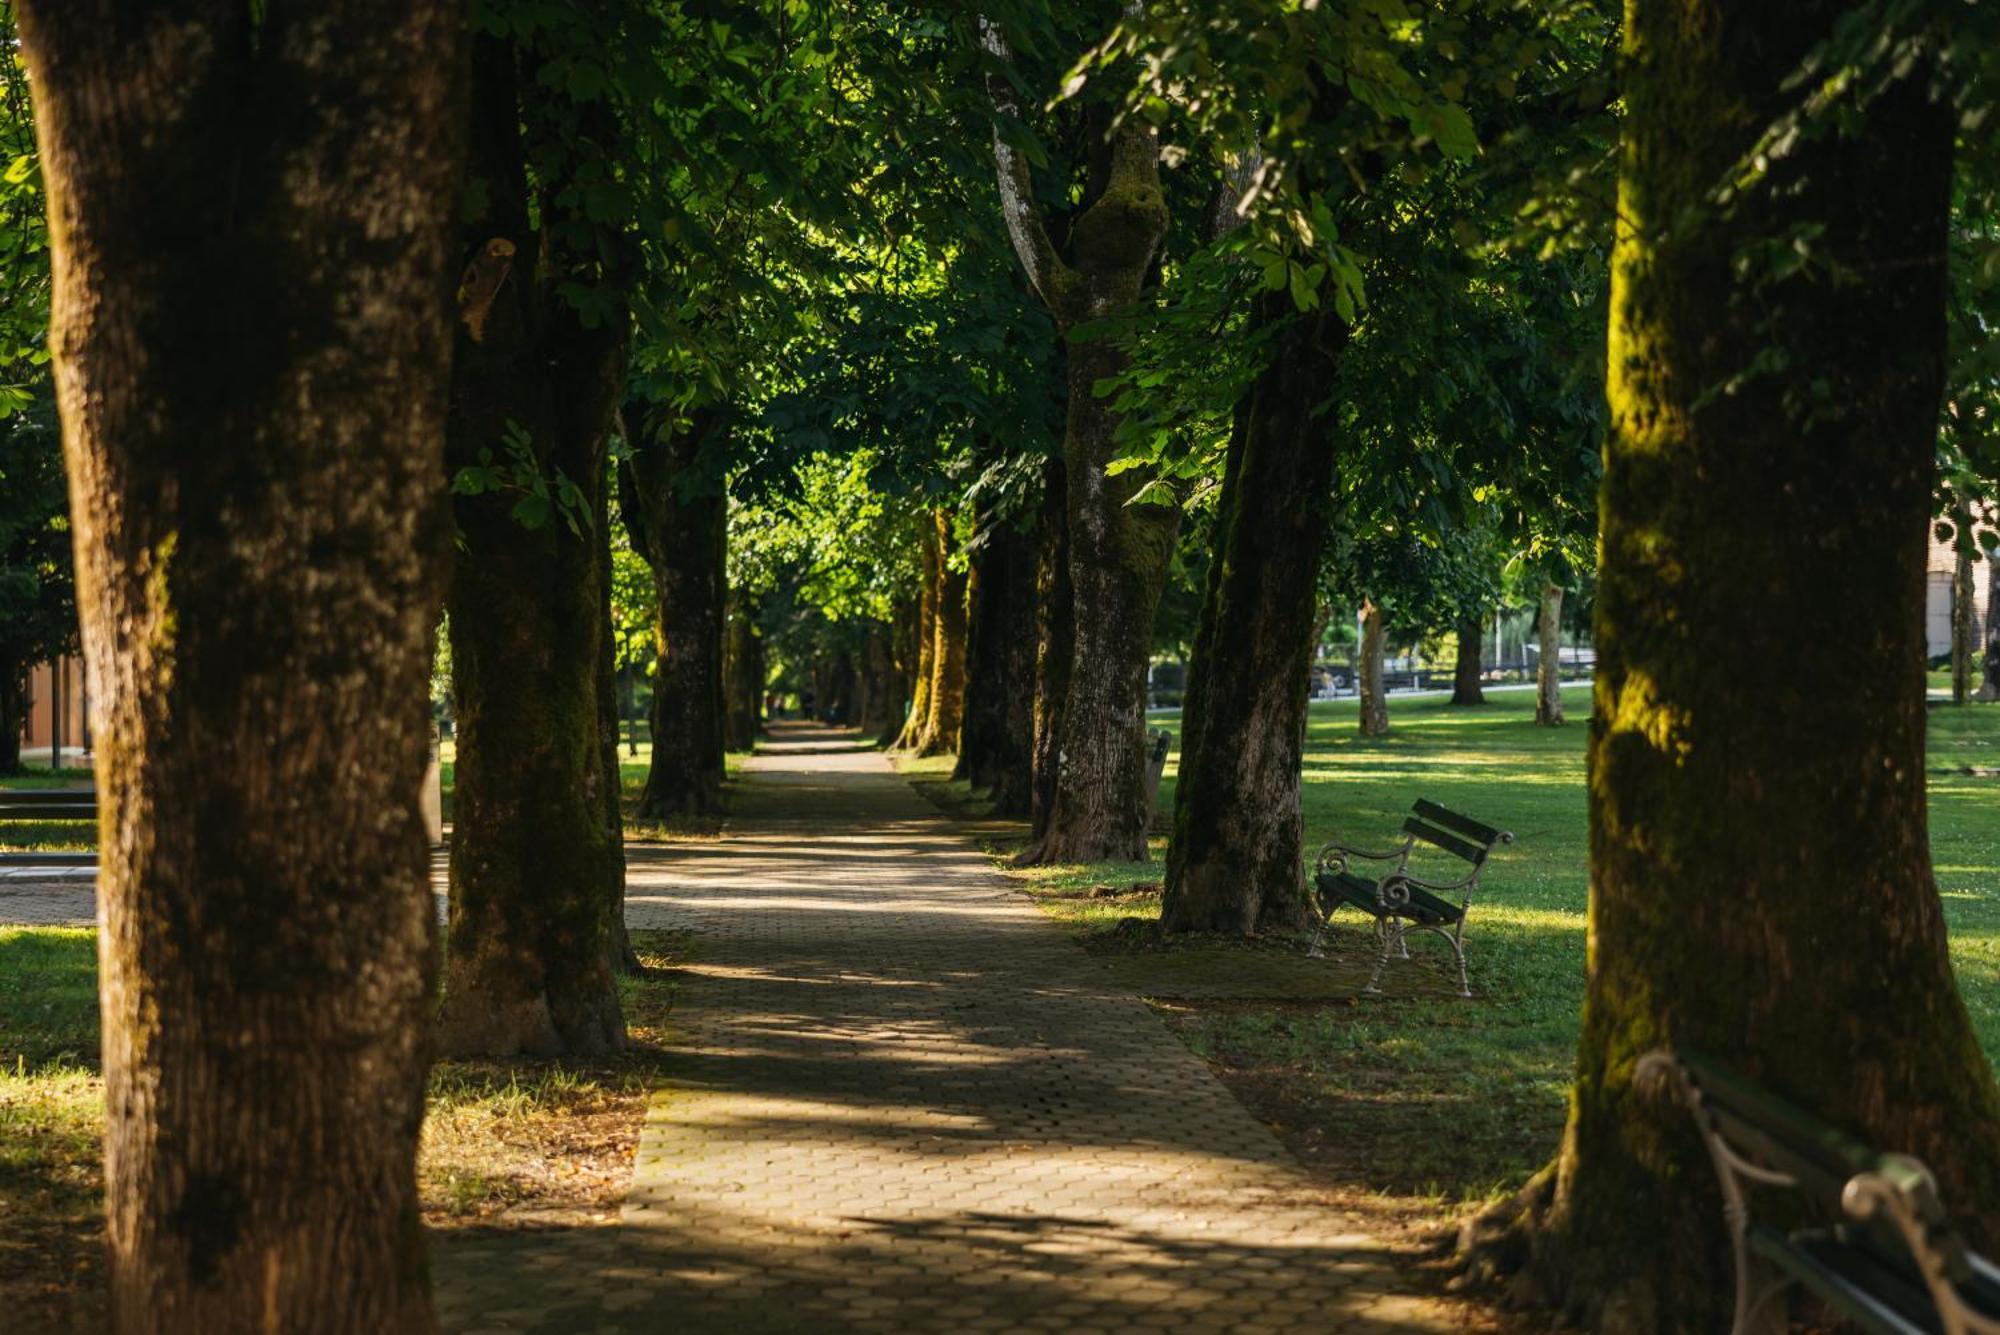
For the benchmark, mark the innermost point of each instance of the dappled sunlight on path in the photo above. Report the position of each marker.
(905, 1101)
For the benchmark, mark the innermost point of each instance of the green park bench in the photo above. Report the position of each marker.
(1863, 1230)
(47, 804)
(1399, 901)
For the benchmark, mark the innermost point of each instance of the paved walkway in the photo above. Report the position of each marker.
(906, 1104)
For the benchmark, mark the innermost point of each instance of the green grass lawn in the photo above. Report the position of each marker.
(42, 836)
(1449, 1100)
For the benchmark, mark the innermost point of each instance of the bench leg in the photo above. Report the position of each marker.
(1314, 952)
(1387, 929)
(1458, 949)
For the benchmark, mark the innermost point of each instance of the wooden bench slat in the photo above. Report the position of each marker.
(1851, 1278)
(1444, 839)
(1451, 820)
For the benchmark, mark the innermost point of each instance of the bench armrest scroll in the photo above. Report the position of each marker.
(1336, 857)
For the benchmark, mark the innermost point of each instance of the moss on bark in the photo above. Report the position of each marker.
(1761, 886)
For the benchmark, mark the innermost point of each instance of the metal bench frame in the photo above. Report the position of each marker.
(1457, 835)
(1885, 1197)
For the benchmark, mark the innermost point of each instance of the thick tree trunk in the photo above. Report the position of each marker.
(1761, 887)
(1465, 676)
(915, 727)
(1548, 661)
(879, 692)
(1118, 551)
(1369, 686)
(997, 754)
(251, 383)
(947, 693)
(677, 513)
(900, 647)
(1235, 862)
(536, 875)
(743, 678)
(13, 713)
(1054, 643)
(1963, 615)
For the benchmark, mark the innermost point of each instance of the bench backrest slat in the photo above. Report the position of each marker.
(1448, 819)
(1444, 839)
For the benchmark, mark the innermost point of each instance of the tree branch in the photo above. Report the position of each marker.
(1025, 225)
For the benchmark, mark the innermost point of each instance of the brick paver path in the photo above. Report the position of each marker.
(905, 1103)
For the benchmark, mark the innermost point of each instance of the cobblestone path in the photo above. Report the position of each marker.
(905, 1105)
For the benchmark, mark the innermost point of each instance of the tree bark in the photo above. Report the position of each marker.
(1990, 672)
(947, 693)
(1369, 686)
(677, 512)
(916, 725)
(1548, 662)
(1118, 551)
(536, 877)
(1963, 614)
(1054, 643)
(743, 677)
(876, 712)
(13, 713)
(251, 382)
(1761, 887)
(901, 649)
(1235, 862)
(997, 754)
(1465, 676)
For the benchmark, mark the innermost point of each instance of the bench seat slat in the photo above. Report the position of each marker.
(1881, 1298)
(1451, 820)
(1444, 839)
(1365, 894)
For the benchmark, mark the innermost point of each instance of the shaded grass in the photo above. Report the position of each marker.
(506, 1143)
(1439, 1100)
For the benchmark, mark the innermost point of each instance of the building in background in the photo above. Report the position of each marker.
(1937, 599)
(58, 705)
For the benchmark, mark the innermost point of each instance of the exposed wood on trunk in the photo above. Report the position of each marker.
(1369, 672)
(1465, 676)
(253, 244)
(1235, 861)
(677, 512)
(536, 873)
(1548, 661)
(1761, 887)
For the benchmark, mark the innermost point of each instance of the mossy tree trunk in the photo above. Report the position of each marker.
(1118, 551)
(742, 676)
(1548, 659)
(1053, 646)
(252, 387)
(916, 725)
(1760, 867)
(1368, 676)
(1235, 861)
(537, 884)
(947, 693)
(1465, 676)
(677, 513)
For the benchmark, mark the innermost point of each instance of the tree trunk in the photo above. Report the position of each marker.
(915, 727)
(1374, 699)
(899, 648)
(1990, 672)
(997, 754)
(947, 693)
(536, 875)
(876, 711)
(1235, 863)
(1118, 551)
(13, 713)
(1548, 661)
(1054, 643)
(1963, 614)
(251, 382)
(678, 515)
(1465, 687)
(743, 680)
(1761, 887)
(624, 959)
